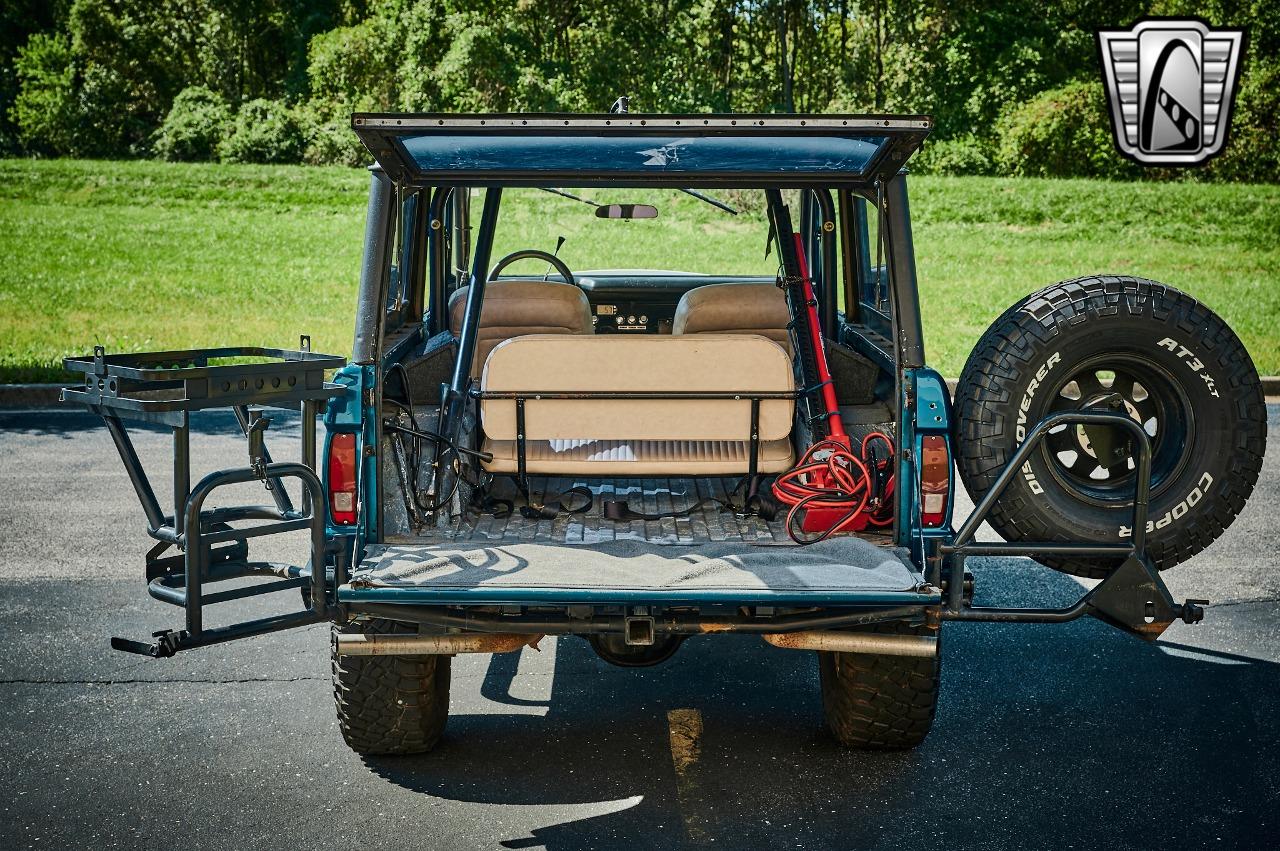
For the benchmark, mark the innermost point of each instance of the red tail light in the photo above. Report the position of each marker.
(343, 474)
(935, 480)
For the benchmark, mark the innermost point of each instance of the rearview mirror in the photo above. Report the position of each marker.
(626, 211)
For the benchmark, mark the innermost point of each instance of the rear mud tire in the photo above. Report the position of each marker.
(1203, 410)
(873, 702)
(389, 705)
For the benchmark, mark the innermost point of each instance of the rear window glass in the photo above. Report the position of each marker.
(636, 155)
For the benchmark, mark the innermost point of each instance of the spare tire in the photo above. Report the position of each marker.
(1178, 370)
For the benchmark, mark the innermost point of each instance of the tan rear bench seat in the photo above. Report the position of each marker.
(638, 437)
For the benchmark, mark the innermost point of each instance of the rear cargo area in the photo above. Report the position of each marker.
(484, 550)
(709, 552)
(707, 523)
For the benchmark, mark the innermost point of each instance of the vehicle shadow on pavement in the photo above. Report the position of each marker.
(1046, 734)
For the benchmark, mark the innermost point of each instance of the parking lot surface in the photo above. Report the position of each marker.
(1057, 736)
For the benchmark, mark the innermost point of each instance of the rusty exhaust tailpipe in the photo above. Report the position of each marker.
(856, 642)
(412, 644)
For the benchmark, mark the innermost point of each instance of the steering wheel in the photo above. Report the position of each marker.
(534, 254)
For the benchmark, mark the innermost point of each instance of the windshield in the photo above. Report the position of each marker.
(688, 235)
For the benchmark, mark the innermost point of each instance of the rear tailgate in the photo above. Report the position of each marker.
(844, 571)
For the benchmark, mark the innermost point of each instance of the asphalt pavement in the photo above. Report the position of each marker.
(1048, 736)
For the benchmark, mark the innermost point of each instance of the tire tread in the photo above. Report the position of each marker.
(877, 702)
(389, 704)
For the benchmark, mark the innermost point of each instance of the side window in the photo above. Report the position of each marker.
(407, 269)
(460, 235)
(866, 285)
(395, 288)
(822, 251)
(442, 264)
(875, 288)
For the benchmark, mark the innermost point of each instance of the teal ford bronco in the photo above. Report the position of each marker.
(637, 456)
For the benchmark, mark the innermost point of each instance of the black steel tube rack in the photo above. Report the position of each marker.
(165, 388)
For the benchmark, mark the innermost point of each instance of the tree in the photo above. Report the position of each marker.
(44, 111)
(103, 75)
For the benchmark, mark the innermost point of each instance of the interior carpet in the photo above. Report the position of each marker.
(643, 496)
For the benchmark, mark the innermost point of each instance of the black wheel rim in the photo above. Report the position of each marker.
(1104, 474)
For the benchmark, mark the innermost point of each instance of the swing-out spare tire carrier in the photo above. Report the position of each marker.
(1146, 352)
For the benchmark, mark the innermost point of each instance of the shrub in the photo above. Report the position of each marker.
(350, 69)
(45, 108)
(481, 71)
(70, 107)
(962, 155)
(195, 124)
(264, 131)
(108, 124)
(355, 63)
(1062, 132)
(328, 137)
(1251, 154)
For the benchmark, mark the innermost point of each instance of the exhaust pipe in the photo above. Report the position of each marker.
(856, 642)
(413, 644)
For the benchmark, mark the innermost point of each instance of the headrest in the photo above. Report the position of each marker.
(518, 303)
(729, 307)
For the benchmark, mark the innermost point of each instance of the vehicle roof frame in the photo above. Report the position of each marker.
(383, 134)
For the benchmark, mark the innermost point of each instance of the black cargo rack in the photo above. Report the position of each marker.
(163, 382)
(164, 388)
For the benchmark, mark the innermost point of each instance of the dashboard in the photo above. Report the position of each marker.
(643, 301)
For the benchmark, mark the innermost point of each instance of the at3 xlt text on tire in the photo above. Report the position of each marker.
(1138, 348)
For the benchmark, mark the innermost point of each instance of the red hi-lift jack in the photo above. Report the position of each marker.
(834, 488)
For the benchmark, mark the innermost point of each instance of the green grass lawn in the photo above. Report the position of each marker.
(145, 255)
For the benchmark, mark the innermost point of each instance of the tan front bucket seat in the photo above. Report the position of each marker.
(516, 308)
(735, 309)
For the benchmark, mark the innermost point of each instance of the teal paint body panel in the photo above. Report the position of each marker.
(346, 414)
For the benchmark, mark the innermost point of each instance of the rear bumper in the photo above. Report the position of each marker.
(624, 620)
